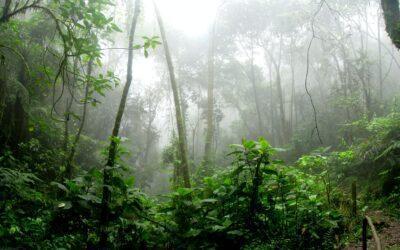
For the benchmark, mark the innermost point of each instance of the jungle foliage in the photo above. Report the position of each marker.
(86, 164)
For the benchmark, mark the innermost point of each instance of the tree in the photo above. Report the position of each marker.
(183, 172)
(391, 13)
(112, 150)
(210, 98)
(71, 155)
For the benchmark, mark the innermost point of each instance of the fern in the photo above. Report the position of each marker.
(17, 183)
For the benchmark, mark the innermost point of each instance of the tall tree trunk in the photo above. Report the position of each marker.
(271, 107)
(184, 106)
(70, 159)
(293, 91)
(20, 126)
(68, 106)
(112, 151)
(184, 164)
(281, 105)
(3, 88)
(256, 92)
(380, 60)
(208, 152)
(391, 13)
(281, 101)
(277, 65)
(364, 79)
(149, 137)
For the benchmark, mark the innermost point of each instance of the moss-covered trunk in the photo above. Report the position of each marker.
(391, 14)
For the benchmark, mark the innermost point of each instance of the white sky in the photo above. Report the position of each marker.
(193, 17)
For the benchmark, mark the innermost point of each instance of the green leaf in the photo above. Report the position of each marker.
(209, 201)
(184, 191)
(60, 186)
(90, 197)
(64, 205)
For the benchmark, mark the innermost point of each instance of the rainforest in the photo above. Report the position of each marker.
(200, 124)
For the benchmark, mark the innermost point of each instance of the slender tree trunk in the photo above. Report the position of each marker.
(344, 78)
(281, 101)
(380, 60)
(184, 106)
(149, 138)
(271, 106)
(20, 126)
(208, 155)
(391, 14)
(293, 93)
(68, 104)
(70, 159)
(3, 88)
(364, 79)
(281, 105)
(184, 164)
(256, 92)
(277, 65)
(112, 151)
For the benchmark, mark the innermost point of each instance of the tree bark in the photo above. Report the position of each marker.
(183, 172)
(391, 15)
(107, 172)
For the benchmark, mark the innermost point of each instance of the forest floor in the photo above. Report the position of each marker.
(388, 231)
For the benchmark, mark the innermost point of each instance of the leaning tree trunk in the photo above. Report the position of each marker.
(391, 13)
(184, 164)
(112, 151)
(208, 155)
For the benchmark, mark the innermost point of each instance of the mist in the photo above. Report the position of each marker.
(188, 124)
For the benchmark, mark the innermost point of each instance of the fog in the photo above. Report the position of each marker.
(265, 124)
(258, 43)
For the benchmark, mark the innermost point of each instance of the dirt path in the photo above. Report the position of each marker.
(388, 230)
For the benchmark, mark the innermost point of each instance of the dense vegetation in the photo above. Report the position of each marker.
(254, 136)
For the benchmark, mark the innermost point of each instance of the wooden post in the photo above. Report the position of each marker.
(364, 233)
(354, 197)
